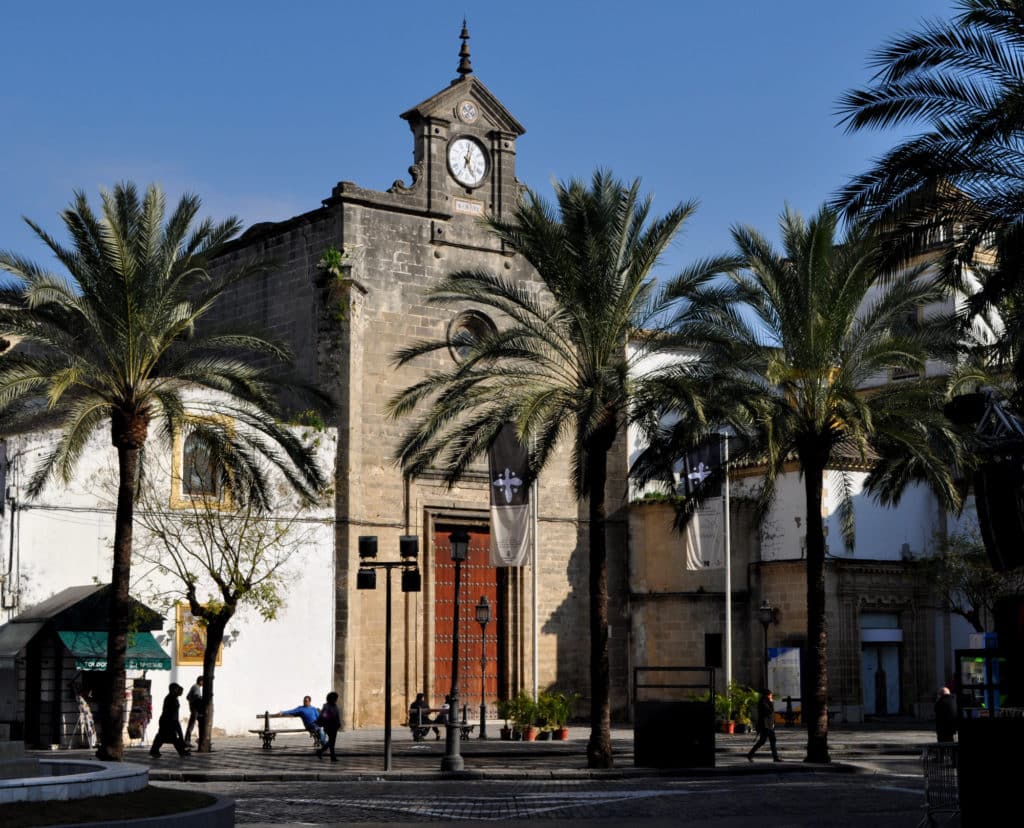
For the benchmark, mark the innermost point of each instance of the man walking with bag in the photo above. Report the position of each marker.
(765, 725)
(194, 697)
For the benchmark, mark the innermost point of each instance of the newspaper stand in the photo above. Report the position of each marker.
(941, 787)
(674, 717)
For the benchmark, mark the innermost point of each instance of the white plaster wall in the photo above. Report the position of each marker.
(635, 441)
(64, 537)
(880, 531)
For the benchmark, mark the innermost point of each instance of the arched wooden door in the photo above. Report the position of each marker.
(478, 578)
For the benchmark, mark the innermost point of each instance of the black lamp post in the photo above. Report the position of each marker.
(766, 615)
(483, 615)
(452, 760)
(366, 578)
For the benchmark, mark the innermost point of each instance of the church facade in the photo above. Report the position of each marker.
(345, 328)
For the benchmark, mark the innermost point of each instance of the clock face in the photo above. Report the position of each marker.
(467, 111)
(467, 161)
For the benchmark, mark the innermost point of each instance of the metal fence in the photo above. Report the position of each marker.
(941, 785)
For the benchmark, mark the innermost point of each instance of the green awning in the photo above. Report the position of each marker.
(90, 651)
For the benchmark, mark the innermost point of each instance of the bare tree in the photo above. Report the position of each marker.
(966, 582)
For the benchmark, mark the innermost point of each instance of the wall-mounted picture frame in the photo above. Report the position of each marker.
(190, 638)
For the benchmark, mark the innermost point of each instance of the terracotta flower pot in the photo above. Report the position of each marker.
(562, 734)
(529, 733)
(728, 726)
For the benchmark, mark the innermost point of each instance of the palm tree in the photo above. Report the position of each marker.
(115, 345)
(810, 333)
(959, 184)
(560, 369)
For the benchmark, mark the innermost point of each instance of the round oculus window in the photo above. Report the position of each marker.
(465, 330)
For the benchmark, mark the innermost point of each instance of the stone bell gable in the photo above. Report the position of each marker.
(466, 108)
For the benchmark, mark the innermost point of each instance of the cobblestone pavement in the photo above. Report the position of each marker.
(361, 756)
(766, 800)
(875, 779)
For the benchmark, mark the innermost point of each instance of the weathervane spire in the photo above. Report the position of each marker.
(465, 67)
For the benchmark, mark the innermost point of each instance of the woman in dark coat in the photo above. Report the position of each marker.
(330, 721)
(170, 724)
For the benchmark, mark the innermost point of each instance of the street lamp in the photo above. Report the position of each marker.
(452, 760)
(483, 615)
(766, 614)
(366, 578)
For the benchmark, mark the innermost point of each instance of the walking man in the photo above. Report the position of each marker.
(945, 716)
(194, 697)
(765, 725)
(170, 725)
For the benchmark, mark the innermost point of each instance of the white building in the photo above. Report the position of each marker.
(63, 539)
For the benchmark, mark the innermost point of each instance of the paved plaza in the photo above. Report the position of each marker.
(875, 779)
(361, 755)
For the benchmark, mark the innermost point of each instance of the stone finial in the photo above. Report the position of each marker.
(465, 67)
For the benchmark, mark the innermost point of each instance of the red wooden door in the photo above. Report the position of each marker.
(478, 578)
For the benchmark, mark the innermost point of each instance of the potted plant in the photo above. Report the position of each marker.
(557, 711)
(568, 700)
(523, 712)
(546, 703)
(723, 713)
(505, 712)
(743, 700)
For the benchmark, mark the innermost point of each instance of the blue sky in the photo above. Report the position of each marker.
(261, 107)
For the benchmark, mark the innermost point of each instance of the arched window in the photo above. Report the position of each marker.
(199, 476)
(195, 478)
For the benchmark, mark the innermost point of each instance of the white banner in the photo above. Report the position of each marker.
(510, 500)
(510, 535)
(704, 538)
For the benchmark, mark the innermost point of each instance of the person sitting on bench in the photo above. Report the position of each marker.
(419, 714)
(308, 714)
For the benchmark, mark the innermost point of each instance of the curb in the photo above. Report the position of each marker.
(221, 814)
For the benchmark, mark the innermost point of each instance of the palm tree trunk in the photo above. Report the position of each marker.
(815, 702)
(599, 749)
(111, 746)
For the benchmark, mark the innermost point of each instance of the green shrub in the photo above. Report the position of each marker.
(522, 709)
(504, 709)
(744, 702)
(554, 707)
